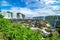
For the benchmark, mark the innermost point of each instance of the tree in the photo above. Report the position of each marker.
(1, 16)
(58, 26)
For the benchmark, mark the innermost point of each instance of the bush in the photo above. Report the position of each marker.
(1, 16)
(16, 31)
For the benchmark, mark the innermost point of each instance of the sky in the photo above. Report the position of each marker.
(31, 8)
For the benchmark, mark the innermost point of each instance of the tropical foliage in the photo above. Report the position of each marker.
(1, 16)
(14, 31)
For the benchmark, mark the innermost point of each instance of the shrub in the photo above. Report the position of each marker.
(16, 31)
(1, 16)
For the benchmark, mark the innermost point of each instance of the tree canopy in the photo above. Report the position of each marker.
(1, 16)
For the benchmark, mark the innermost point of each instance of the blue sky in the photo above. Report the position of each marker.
(7, 4)
(31, 7)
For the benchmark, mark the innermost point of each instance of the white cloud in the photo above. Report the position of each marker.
(46, 10)
(34, 4)
(25, 11)
(38, 4)
(49, 1)
(32, 13)
(55, 7)
(43, 7)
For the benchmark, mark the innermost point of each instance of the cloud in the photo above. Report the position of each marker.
(26, 11)
(32, 13)
(39, 3)
(55, 7)
(44, 12)
(49, 1)
(34, 4)
(42, 8)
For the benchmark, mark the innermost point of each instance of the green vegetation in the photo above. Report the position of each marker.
(11, 31)
(58, 24)
(14, 31)
(1, 16)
